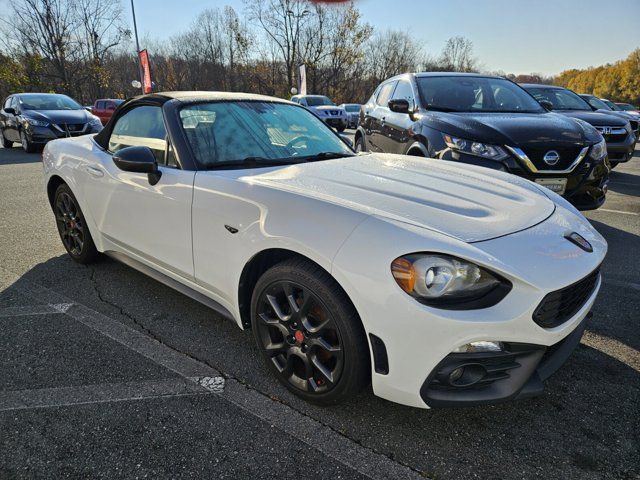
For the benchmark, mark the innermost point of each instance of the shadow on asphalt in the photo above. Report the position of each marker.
(16, 155)
(624, 183)
(580, 427)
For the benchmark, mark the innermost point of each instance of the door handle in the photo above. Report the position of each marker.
(94, 171)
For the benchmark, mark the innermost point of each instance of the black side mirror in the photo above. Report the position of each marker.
(139, 160)
(346, 139)
(548, 106)
(399, 105)
(10, 110)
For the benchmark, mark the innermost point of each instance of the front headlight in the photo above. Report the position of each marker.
(599, 150)
(448, 282)
(95, 121)
(37, 123)
(492, 152)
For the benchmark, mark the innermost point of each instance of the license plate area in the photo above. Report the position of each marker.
(557, 185)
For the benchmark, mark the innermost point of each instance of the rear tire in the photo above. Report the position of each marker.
(72, 227)
(309, 332)
(5, 143)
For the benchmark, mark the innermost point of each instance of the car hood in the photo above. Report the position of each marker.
(515, 129)
(468, 203)
(597, 119)
(59, 116)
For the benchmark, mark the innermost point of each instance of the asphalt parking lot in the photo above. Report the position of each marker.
(107, 373)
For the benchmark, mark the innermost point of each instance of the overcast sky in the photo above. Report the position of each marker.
(517, 36)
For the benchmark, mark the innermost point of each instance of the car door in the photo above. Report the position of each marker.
(376, 131)
(150, 222)
(397, 139)
(10, 120)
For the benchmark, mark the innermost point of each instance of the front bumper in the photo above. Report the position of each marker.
(515, 373)
(42, 135)
(620, 152)
(335, 122)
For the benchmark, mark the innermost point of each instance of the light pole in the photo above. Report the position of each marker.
(135, 31)
(296, 35)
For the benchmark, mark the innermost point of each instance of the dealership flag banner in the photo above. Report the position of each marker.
(146, 71)
(303, 80)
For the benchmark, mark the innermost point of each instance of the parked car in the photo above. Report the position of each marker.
(353, 113)
(33, 119)
(627, 107)
(487, 121)
(440, 283)
(599, 106)
(617, 132)
(104, 108)
(324, 109)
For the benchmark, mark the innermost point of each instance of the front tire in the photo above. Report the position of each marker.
(27, 146)
(360, 145)
(614, 164)
(341, 128)
(72, 227)
(309, 333)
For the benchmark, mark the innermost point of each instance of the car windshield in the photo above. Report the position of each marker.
(611, 105)
(233, 133)
(352, 107)
(48, 102)
(318, 101)
(560, 98)
(595, 102)
(474, 94)
(626, 107)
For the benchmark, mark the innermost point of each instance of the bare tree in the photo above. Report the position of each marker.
(457, 55)
(281, 21)
(46, 28)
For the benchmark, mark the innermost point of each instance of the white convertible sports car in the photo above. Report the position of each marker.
(441, 284)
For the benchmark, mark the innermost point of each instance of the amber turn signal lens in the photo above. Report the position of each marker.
(404, 273)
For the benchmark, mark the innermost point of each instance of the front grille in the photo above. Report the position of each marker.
(567, 156)
(72, 128)
(613, 134)
(559, 306)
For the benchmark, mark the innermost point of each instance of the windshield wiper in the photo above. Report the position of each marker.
(325, 156)
(252, 162)
(441, 109)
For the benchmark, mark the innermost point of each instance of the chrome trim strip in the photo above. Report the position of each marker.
(520, 155)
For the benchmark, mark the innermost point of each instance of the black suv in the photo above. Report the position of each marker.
(487, 121)
(617, 132)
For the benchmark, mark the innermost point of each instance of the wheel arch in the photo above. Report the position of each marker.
(52, 185)
(418, 148)
(259, 264)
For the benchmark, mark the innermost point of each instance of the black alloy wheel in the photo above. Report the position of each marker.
(72, 227)
(309, 332)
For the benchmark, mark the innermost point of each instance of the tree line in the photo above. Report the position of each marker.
(619, 81)
(84, 48)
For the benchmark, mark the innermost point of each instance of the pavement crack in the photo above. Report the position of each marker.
(229, 377)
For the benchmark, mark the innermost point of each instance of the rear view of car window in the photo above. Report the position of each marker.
(144, 127)
(560, 99)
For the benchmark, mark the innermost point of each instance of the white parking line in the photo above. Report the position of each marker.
(613, 348)
(27, 310)
(277, 414)
(617, 211)
(100, 393)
